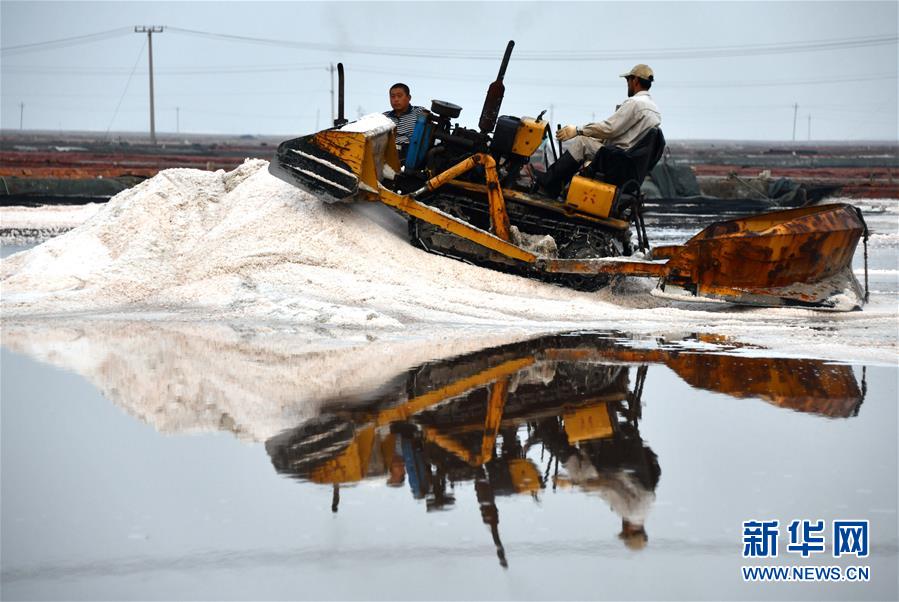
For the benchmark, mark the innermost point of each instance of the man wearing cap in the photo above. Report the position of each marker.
(622, 129)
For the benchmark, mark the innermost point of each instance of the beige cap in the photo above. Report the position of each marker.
(642, 71)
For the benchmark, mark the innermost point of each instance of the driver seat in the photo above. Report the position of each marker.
(627, 169)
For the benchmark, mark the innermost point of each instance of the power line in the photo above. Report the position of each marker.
(561, 55)
(438, 76)
(209, 92)
(125, 91)
(65, 42)
(668, 84)
(556, 55)
(212, 70)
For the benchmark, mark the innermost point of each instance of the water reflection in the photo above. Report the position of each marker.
(252, 380)
(549, 413)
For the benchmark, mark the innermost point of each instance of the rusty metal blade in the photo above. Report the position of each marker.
(840, 292)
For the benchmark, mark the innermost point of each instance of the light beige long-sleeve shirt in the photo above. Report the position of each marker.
(633, 117)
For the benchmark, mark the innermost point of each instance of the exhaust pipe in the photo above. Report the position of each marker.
(340, 118)
(495, 93)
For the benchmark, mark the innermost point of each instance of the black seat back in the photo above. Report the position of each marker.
(618, 166)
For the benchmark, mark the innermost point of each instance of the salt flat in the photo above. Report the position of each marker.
(192, 245)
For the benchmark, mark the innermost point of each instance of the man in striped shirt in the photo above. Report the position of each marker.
(404, 115)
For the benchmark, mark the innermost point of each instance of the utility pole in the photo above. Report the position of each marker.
(177, 120)
(809, 126)
(795, 112)
(331, 69)
(21, 113)
(150, 30)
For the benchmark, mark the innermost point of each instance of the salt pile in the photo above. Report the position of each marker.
(243, 243)
(190, 244)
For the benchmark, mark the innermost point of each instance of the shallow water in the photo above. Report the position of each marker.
(154, 459)
(163, 469)
(7, 250)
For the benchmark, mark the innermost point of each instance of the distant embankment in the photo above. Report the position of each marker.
(52, 169)
(858, 170)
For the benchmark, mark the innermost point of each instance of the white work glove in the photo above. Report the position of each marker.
(567, 133)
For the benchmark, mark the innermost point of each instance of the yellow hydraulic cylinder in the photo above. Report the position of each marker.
(499, 219)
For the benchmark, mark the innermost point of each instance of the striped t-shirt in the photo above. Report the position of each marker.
(405, 123)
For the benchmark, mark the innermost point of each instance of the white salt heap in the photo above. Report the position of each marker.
(245, 245)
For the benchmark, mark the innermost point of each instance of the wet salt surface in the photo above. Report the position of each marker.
(28, 225)
(141, 463)
(189, 244)
(160, 460)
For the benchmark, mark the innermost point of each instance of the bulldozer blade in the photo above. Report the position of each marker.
(840, 292)
(302, 163)
(341, 163)
(800, 257)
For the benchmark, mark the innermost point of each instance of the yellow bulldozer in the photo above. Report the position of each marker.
(470, 194)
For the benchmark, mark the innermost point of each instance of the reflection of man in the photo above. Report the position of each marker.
(625, 473)
(404, 115)
(397, 467)
(622, 129)
(628, 497)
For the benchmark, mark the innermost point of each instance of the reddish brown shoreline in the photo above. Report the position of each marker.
(862, 170)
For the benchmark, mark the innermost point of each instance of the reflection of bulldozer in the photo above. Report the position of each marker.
(461, 420)
(470, 194)
(483, 416)
(804, 385)
(460, 405)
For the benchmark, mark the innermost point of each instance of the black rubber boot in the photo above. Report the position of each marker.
(558, 174)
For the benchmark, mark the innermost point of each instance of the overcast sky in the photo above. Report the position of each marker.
(724, 70)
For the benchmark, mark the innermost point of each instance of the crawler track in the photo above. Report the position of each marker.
(574, 239)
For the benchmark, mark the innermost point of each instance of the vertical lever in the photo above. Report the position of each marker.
(340, 118)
